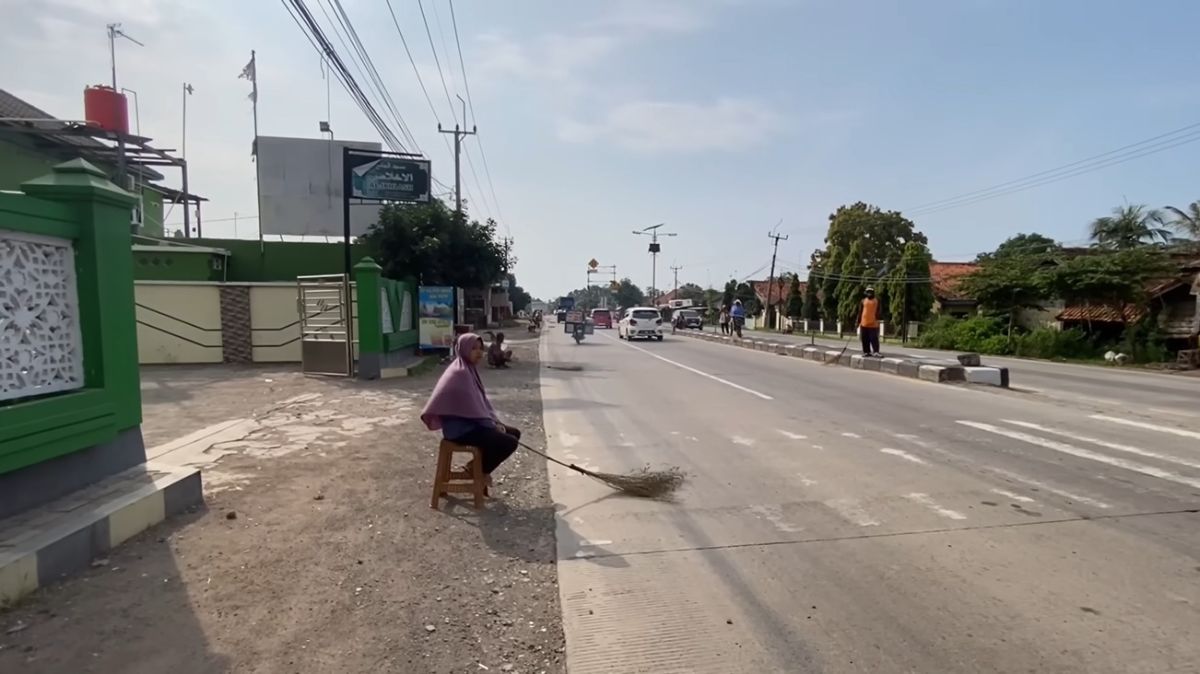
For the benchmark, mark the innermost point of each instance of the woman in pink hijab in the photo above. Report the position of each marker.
(460, 408)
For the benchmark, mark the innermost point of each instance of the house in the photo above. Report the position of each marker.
(946, 279)
(1176, 301)
(32, 141)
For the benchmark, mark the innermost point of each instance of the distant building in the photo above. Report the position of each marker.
(948, 295)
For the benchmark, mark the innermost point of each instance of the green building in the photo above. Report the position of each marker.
(32, 142)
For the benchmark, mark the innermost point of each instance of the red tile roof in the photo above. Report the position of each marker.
(1101, 313)
(947, 278)
(779, 293)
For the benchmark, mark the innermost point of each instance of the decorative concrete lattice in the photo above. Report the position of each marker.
(40, 349)
(385, 312)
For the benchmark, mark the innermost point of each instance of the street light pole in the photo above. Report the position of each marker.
(653, 233)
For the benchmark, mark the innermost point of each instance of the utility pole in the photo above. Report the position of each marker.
(676, 270)
(653, 233)
(458, 137)
(114, 31)
(771, 276)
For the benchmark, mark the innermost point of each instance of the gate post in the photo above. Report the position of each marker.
(370, 317)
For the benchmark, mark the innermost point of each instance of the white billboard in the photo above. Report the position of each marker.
(301, 187)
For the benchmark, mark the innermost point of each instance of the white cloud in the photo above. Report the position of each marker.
(661, 127)
(554, 57)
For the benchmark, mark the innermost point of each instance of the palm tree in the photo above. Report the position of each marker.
(1186, 221)
(1130, 226)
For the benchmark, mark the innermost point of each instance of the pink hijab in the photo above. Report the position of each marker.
(459, 392)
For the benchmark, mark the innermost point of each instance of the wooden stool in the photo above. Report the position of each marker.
(447, 481)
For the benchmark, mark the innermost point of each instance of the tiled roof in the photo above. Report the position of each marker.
(11, 106)
(779, 293)
(947, 278)
(1100, 313)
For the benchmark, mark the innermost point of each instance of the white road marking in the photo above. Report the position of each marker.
(1148, 426)
(818, 447)
(850, 509)
(928, 502)
(693, 370)
(807, 482)
(1104, 443)
(848, 434)
(1016, 477)
(693, 438)
(774, 515)
(1011, 495)
(568, 440)
(903, 455)
(592, 544)
(1086, 454)
(745, 442)
(792, 436)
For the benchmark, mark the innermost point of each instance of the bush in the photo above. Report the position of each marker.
(1050, 343)
(978, 333)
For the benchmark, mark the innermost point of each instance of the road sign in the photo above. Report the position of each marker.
(593, 263)
(376, 176)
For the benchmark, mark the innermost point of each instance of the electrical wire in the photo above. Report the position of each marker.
(471, 105)
(1160, 143)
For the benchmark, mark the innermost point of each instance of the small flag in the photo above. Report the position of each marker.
(248, 72)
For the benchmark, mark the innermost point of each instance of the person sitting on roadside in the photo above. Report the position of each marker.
(460, 409)
(497, 355)
(738, 314)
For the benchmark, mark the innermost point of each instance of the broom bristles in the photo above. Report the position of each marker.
(645, 483)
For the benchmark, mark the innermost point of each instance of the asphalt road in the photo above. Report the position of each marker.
(847, 521)
(1165, 393)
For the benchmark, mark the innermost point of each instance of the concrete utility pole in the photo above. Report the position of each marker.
(676, 270)
(653, 233)
(458, 137)
(771, 276)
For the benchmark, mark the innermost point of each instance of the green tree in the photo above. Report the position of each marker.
(851, 286)
(1129, 226)
(517, 295)
(1016, 276)
(812, 299)
(729, 294)
(749, 299)
(431, 243)
(1186, 220)
(629, 295)
(909, 290)
(1118, 278)
(795, 300)
(831, 267)
(691, 291)
(881, 237)
(589, 298)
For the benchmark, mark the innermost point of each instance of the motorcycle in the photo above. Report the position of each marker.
(578, 332)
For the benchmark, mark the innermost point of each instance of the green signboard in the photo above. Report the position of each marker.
(375, 176)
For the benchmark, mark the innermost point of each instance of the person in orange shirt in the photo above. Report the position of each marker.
(868, 324)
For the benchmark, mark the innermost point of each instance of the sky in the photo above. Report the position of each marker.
(721, 118)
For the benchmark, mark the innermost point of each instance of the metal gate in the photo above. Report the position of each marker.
(325, 304)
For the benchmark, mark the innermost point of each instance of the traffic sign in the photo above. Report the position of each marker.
(593, 263)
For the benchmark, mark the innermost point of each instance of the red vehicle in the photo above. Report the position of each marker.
(602, 318)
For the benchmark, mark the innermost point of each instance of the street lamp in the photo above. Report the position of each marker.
(325, 128)
(655, 248)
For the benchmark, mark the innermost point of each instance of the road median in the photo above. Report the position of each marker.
(940, 371)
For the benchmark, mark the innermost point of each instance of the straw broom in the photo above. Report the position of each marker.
(644, 483)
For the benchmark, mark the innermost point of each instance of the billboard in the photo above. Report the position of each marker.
(300, 180)
(436, 318)
(387, 177)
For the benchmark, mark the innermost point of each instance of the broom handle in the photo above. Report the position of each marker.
(551, 458)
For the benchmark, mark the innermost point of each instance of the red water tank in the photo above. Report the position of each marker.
(106, 108)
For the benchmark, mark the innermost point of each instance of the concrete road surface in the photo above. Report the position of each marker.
(846, 521)
(1175, 394)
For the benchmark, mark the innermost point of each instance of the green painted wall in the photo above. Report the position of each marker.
(175, 264)
(21, 161)
(280, 260)
(77, 202)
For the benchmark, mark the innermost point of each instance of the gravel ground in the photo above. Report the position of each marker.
(317, 551)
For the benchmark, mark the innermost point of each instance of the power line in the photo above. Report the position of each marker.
(316, 36)
(471, 104)
(1154, 145)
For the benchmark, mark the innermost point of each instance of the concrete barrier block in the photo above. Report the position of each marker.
(969, 360)
(831, 356)
(856, 361)
(811, 353)
(794, 350)
(890, 365)
(909, 368)
(844, 359)
(988, 376)
(941, 373)
(872, 364)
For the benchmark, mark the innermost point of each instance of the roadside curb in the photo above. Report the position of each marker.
(947, 373)
(62, 537)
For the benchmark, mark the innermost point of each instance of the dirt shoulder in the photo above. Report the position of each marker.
(317, 551)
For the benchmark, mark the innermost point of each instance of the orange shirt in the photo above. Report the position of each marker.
(870, 313)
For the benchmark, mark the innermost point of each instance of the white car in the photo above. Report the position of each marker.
(640, 323)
